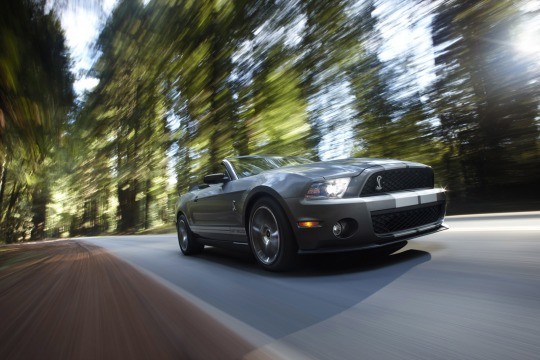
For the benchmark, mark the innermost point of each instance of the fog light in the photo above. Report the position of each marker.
(337, 229)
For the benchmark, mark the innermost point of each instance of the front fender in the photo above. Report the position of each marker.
(263, 191)
(182, 206)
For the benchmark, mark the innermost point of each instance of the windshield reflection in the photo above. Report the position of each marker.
(249, 165)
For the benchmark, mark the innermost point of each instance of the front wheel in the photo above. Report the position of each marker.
(270, 236)
(186, 239)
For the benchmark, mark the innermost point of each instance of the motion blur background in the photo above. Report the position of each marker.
(169, 88)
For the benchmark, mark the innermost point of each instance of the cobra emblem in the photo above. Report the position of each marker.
(379, 186)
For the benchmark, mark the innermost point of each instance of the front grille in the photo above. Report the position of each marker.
(398, 220)
(386, 181)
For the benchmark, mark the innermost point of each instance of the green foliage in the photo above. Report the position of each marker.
(183, 84)
(486, 96)
(35, 97)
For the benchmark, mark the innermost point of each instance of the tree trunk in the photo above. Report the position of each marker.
(39, 210)
(3, 178)
(127, 205)
(12, 200)
(6, 220)
(147, 201)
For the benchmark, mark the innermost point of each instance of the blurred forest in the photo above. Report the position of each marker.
(183, 84)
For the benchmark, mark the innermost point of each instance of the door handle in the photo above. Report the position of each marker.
(196, 199)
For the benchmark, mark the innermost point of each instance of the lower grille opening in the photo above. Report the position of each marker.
(398, 220)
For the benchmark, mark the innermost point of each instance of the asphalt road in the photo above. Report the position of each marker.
(471, 292)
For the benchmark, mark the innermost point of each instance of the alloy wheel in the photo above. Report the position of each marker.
(265, 235)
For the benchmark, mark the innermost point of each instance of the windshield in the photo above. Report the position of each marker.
(249, 166)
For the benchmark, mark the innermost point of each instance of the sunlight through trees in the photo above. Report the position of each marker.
(183, 84)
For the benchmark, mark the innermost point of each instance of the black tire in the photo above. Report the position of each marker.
(186, 239)
(270, 236)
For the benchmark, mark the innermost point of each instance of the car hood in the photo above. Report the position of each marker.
(341, 168)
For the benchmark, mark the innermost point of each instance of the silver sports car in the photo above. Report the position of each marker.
(284, 206)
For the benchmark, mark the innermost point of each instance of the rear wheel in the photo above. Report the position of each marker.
(270, 236)
(186, 239)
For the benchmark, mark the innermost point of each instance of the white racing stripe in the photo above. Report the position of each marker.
(426, 196)
(416, 197)
(400, 199)
(405, 199)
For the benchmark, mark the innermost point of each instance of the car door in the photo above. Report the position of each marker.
(215, 214)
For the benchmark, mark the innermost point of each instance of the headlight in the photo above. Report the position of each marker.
(334, 188)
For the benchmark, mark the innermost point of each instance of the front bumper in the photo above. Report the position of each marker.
(374, 221)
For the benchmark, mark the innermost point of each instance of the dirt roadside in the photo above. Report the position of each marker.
(67, 300)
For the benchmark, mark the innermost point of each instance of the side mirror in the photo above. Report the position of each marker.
(216, 178)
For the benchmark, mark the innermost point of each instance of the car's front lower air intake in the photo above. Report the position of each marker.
(387, 222)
